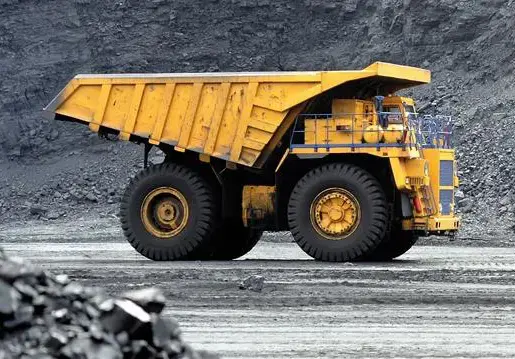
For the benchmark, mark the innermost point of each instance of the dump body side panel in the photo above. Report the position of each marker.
(236, 117)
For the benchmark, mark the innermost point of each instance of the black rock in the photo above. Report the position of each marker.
(91, 311)
(207, 355)
(62, 315)
(73, 290)
(9, 300)
(91, 197)
(22, 317)
(25, 289)
(164, 330)
(150, 299)
(126, 316)
(62, 279)
(174, 347)
(10, 270)
(56, 339)
(142, 350)
(53, 215)
(37, 210)
(95, 330)
(39, 303)
(122, 338)
(87, 348)
(254, 283)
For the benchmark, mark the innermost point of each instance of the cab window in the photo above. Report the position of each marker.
(392, 114)
(394, 109)
(409, 109)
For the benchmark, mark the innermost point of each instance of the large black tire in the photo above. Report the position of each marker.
(233, 240)
(395, 245)
(198, 227)
(370, 229)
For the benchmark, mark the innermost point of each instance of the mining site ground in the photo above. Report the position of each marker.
(435, 301)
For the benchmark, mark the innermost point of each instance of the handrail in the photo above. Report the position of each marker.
(351, 130)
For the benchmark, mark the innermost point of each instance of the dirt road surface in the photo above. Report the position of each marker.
(435, 301)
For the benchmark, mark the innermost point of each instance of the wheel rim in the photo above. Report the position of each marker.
(335, 213)
(165, 212)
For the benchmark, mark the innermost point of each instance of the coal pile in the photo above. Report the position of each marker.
(48, 316)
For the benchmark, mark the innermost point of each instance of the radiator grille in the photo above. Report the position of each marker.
(446, 173)
(446, 199)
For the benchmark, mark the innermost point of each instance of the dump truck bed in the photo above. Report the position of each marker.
(239, 117)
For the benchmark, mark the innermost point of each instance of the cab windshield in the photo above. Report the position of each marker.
(393, 114)
(409, 109)
(392, 109)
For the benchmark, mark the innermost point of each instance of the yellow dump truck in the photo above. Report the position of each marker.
(336, 157)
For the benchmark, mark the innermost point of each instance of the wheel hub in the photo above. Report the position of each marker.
(335, 213)
(165, 212)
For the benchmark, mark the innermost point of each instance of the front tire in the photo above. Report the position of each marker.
(167, 212)
(395, 245)
(338, 212)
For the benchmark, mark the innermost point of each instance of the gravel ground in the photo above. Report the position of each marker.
(435, 301)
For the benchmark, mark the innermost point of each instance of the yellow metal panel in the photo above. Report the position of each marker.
(217, 118)
(187, 124)
(248, 155)
(415, 167)
(130, 118)
(148, 110)
(253, 144)
(280, 97)
(236, 151)
(265, 119)
(332, 79)
(432, 155)
(230, 120)
(177, 114)
(287, 122)
(118, 106)
(446, 154)
(258, 135)
(433, 224)
(204, 116)
(444, 223)
(81, 102)
(263, 125)
(98, 117)
(406, 73)
(164, 109)
(399, 173)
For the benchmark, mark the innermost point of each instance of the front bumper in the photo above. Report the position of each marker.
(434, 225)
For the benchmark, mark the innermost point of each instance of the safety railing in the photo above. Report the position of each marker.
(371, 130)
(432, 131)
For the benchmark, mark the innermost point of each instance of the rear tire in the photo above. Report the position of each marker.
(233, 240)
(150, 225)
(368, 218)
